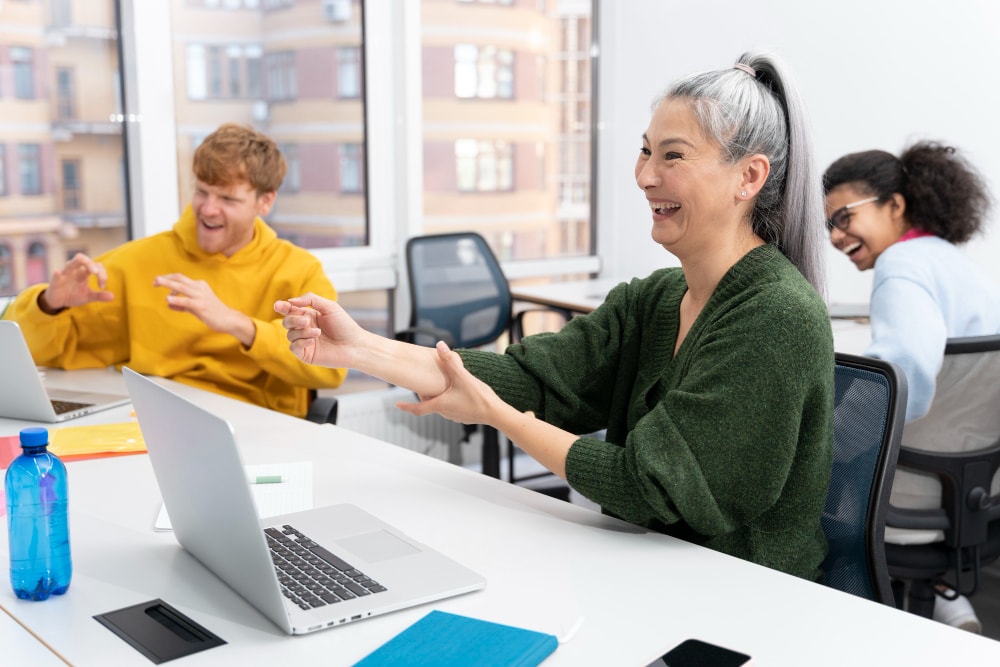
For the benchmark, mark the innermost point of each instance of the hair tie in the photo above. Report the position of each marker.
(746, 68)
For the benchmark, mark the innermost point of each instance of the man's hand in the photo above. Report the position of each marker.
(196, 297)
(71, 286)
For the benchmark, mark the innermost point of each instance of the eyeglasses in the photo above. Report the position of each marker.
(841, 218)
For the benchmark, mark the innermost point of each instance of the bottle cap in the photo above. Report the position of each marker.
(34, 436)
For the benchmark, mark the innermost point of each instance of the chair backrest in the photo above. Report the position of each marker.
(868, 414)
(963, 417)
(456, 285)
(950, 457)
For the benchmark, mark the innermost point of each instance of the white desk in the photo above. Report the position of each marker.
(851, 335)
(18, 647)
(550, 566)
(584, 296)
(575, 296)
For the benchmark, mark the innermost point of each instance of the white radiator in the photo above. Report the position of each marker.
(375, 413)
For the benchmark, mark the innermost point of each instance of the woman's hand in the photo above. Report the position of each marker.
(320, 330)
(466, 398)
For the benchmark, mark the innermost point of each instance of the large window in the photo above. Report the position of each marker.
(61, 149)
(501, 143)
(507, 138)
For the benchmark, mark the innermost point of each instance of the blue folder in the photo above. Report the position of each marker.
(448, 640)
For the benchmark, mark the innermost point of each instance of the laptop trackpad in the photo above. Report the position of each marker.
(378, 546)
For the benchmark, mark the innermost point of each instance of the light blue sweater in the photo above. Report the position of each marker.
(924, 291)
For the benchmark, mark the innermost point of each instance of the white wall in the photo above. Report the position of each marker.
(873, 74)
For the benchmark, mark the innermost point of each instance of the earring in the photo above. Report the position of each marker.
(743, 194)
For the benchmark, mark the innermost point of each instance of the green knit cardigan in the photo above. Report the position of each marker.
(729, 443)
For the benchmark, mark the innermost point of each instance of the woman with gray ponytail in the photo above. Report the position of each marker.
(713, 380)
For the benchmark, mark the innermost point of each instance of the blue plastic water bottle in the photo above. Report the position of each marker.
(37, 521)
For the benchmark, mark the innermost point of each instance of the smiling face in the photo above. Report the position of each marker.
(225, 215)
(871, 227)
(689, 187)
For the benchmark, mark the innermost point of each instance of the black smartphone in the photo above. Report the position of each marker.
(696, 653)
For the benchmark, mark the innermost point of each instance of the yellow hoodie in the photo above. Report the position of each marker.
(137, 329)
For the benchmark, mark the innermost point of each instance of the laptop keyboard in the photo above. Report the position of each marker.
(62, 407)
(310, 576)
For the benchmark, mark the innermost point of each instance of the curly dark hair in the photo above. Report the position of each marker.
(945, 195)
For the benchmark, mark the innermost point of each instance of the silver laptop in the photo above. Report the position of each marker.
(23, 394)
(205, 490)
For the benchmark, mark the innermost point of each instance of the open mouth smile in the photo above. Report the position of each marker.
(661, 208)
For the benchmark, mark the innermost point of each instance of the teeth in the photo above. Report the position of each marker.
(847, 250)
(660, 207)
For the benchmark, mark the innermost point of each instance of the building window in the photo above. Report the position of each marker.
(71, 187)
(293, 177)
(24, 72)
(348, 72)
(214, 71)
(280, 72)
(37, 268)
(251, 55)
(351, 168)
(65, 94)
(197, 83)
(62, 13)
(234, 55)
(6, 270)
(223, 72)
(484, 166)
(30, 166)
(483, 72)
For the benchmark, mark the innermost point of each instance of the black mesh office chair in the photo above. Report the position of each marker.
(944, 519)
(459, 294)
(868, 413)
(322, 409)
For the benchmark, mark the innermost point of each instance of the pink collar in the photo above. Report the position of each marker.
(913, 234)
